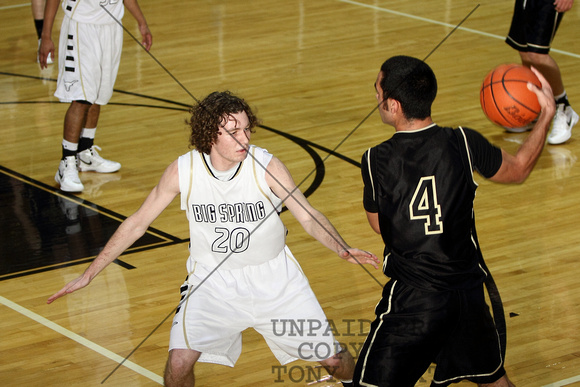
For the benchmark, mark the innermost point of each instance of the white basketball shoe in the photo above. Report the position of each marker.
(90, 160)
(68, 176)
(562, 124)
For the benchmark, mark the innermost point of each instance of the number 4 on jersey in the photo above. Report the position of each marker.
(425, 206)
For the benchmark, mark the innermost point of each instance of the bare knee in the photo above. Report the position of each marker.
(179, 368)
(341, 365)
(537, 60)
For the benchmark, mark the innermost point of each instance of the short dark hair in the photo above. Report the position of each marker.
(411, 82)
(208, 115)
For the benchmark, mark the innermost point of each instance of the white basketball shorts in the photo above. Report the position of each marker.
(88, 61)
(274, 298)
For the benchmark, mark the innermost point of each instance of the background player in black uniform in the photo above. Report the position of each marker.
(534, 25)
(418, 194)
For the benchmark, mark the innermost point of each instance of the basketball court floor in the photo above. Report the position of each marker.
(308, 69)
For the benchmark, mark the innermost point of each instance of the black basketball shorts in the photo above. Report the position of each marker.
(414, 329)
(533, 28)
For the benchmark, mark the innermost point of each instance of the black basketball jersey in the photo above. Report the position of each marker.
(421, 184)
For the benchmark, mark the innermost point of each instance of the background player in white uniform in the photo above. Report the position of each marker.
(232, 192)
(89, 53)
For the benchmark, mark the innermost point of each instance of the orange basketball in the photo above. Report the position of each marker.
(505, 98)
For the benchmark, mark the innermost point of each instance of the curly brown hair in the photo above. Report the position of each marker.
(208, 115)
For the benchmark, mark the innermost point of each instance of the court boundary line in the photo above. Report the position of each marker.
(81, 340)
(14, 6)
(565, 382)
(432, 21)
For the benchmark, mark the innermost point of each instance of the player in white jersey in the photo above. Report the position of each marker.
(240, 272)
(90, 45)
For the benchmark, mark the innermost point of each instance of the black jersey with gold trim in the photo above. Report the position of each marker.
(421, 185)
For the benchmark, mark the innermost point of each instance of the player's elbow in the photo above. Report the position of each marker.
(134, 227)
(521, 178)
(513, 171)
(521, 172)
(513, 177)
(373, 219)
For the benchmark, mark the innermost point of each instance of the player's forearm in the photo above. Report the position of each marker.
(50, 10)
(323, 231)
(127, 234)
(134, 9)
(529, 152)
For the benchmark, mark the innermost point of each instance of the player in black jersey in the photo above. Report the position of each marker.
(418, 194)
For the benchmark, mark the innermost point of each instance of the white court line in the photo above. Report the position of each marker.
(81, 340)
(409, 16)
(564, 382)
(561, 382)
(14, 6)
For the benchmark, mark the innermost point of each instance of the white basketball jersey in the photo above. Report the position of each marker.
(232, 223)
(92, 12)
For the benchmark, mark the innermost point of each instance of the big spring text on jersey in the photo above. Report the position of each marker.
(229, 212)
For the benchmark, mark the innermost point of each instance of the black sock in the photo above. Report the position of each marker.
(67, 152)
(85, 143)
(38, 24)
(563, 101)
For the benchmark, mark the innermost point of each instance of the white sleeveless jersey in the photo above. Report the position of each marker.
(235, 222)
(90, 11)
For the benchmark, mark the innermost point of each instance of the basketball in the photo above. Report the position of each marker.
(505, 97)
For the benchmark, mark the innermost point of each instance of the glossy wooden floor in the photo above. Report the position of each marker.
(308, 67)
